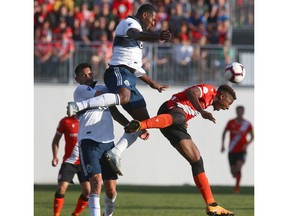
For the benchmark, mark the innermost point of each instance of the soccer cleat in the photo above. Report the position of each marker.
(132, 126)
(72, 108)
(216, 209)
(114, 161)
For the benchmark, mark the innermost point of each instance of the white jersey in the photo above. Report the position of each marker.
(128, 51)
(94, 124)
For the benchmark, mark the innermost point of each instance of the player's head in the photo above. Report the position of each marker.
(240, 111)
(83, 74)
(147, 16)
(225, 96)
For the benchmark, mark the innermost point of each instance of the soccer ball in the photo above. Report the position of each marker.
(235, 72)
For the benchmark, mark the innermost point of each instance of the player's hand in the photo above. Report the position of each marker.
(222, 149)
(207, 115)
(162, 88)
(145, 135)
(55, 162)
(165, 35)
(159, 87)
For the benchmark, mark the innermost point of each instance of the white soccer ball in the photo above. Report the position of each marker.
(234, 72)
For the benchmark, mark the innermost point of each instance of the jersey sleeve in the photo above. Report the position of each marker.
(61, 127)
(131, 23)
(83, 92)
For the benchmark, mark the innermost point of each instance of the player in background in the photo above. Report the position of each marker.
(96, 136)
(239, 129)
(172, 120)
(70, 165)
(124, 68)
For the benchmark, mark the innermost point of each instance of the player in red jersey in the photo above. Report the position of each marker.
(70, 165)
(239, 129)
(172, 120)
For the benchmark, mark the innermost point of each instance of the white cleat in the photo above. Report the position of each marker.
(72, 108)
(114, 161)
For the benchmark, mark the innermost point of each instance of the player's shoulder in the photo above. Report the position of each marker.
(101, 87)
(206, 88)
(131, 22)
(68, 119)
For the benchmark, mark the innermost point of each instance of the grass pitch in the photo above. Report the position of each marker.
(151, 200)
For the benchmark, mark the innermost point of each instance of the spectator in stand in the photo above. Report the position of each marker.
(161, 16)
(62, 52)
(121, 9)
(59, 3)
(186, 7)
(84, 14)
(63, 13)
(62, 27)
(176, 18)
(86, 29)
(198, 32)
(101, 27)
(202, 8)
(42, 58)
(212, 11)
(168, 5)
(184, 32)
(43, 14)
(95, 31)
(102, 55)
(200, 58)
(76, 29)
(44, 31)
(183, 57)
(110, 20)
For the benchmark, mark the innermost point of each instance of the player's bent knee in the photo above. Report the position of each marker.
(197, 167)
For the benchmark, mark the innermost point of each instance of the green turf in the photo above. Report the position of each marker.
(151, 200)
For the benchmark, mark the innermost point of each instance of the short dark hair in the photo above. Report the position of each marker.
(226, 88)
(240, 107)
(81, 66)
(148, 8)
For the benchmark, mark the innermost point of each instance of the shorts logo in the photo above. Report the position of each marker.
(126, 82)
(89, 168)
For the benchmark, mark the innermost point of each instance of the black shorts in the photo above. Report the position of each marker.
(68, 171)
(176, 132)
(234, 157)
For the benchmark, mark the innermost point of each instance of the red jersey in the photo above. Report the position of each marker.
(69, 127)
(238, 134)
(208, 93)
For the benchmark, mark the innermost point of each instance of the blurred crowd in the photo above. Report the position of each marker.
(95, 20)
(58, 24)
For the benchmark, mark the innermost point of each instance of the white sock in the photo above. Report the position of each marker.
(94, 204)
(125, 141)
(109, 205)
(107, 99)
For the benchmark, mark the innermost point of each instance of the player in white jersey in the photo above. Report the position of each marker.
(125, 66)
(95, 137)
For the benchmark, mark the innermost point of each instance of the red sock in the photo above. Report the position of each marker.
(58, 204)
(160, 121)
(81, 204)
(238, 178)
(203, 186)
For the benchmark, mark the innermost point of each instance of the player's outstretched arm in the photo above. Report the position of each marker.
(163, 35)
(147, 79)
(193, 96)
